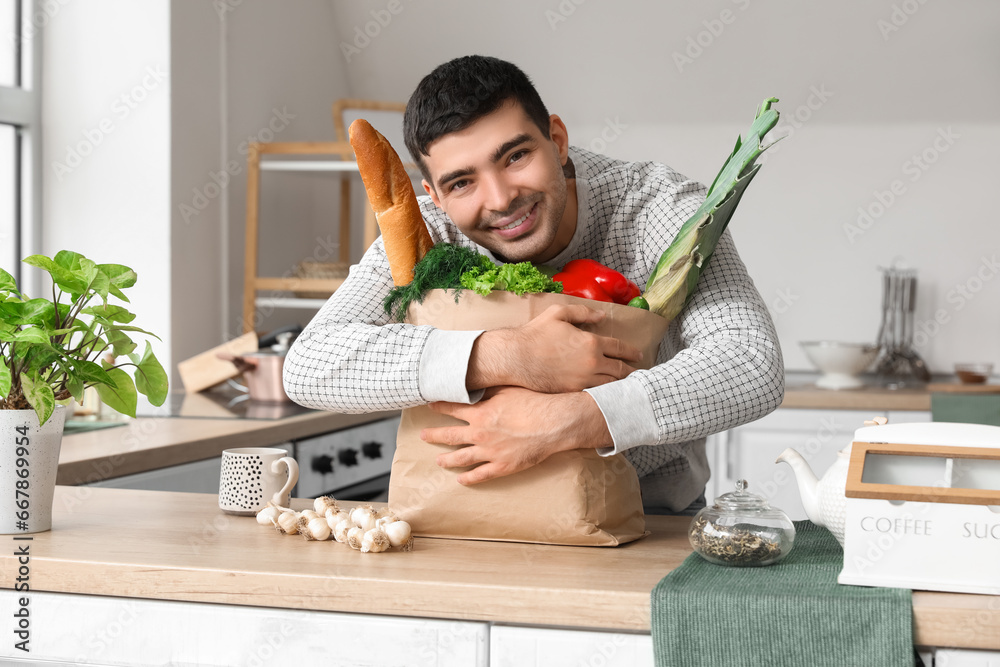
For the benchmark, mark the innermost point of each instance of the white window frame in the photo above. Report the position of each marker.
(22, 106)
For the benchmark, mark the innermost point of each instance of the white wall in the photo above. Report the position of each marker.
(611, 70)
(284, 73)
(890, 74)
(106, 145)
(163, 190)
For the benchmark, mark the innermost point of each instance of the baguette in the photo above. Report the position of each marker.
(391, 196)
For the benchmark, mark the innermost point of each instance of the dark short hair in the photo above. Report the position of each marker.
(460, 92)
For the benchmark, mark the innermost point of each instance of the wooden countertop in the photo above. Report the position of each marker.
(799, 395)
(150, 443)
(180, 546)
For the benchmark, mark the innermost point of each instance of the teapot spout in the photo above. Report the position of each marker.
(807, 481)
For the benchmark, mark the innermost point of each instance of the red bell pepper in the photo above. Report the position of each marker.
(576, 284)
(586, 274)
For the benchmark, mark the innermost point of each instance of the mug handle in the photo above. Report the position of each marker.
(281, 497)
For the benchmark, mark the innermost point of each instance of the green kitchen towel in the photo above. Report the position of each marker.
(965, 408)
(791, 613)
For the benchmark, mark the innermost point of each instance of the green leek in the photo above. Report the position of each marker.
(676, 274)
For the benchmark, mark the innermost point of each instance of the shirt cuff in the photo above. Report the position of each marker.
(629, 413)
(444, 365)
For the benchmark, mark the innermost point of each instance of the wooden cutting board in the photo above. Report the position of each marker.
(207, 370)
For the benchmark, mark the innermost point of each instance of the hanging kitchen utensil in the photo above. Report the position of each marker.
(898, 364)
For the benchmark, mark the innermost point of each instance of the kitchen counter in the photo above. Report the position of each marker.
(150, 443)
(179, 546)
(799, 394)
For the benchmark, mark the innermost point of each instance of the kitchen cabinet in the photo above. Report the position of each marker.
(961, 658)
(513, 646)
(194, 477)
(191, 585)
(130, 631)
(749, 451)
(254, 284)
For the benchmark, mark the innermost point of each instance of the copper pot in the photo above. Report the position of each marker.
(262, 372)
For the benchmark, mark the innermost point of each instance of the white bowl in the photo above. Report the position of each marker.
(840, 362)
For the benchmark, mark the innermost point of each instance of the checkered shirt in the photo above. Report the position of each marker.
(719, 364)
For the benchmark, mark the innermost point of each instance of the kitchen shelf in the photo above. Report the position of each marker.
(309, 165)
(289, 302)
(253, 283)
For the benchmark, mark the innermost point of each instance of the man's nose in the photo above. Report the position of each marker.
(498, 194)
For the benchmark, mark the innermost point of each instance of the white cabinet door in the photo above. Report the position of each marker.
(512, 646)
(950, 657)
(89, 629)
(749, 452)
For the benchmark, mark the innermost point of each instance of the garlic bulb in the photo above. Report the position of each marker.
(354, 537)
(288, 523)
(399, 534)
(375, 541)
(341, 529)
(314, 529)
(267, 516)
(323, 503)
(386, 513)
(334, 517)
(364, 516)
(309, 514)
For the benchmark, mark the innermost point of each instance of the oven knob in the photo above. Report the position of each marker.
(348, 457)
(372, 450)
(322, 464)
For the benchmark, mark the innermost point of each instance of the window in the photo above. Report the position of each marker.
(20, 114)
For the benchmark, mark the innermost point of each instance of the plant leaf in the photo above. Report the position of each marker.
(121, 344)
(150, 378)
(33, 311)
(109, 313)
(108, 327)
(5, 379)
(68, 260)
(88, 371)
(7, 283)
(39, 396)
(75, 387)
(29, 335)
(66, 280)
(122, 397)
(96, 280)
(119, 276)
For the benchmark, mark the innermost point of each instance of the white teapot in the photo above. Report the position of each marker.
(824, 499)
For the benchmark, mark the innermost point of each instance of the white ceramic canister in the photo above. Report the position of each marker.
(29, 462)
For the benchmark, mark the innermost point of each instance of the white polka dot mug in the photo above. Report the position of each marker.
(252, 476)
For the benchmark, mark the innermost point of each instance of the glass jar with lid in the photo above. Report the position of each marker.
(741, 530)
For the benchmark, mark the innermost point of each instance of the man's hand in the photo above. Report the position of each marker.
(513, 428)
(550, 354)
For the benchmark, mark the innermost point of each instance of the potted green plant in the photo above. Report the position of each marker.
(52, 350)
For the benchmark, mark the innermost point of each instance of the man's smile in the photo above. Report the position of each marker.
(521, 222)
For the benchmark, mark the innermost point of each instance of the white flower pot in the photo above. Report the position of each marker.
(29, 461)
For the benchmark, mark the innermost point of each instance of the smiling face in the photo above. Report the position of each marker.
(502, 184)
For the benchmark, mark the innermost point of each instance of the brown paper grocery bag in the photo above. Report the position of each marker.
(574, 498)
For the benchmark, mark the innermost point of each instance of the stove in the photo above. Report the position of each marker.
(227, 404)
(350, 464)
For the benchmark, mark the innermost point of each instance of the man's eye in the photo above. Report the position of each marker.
(518, 155)
(458, 185)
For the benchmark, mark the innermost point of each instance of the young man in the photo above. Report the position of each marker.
(501, 177)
